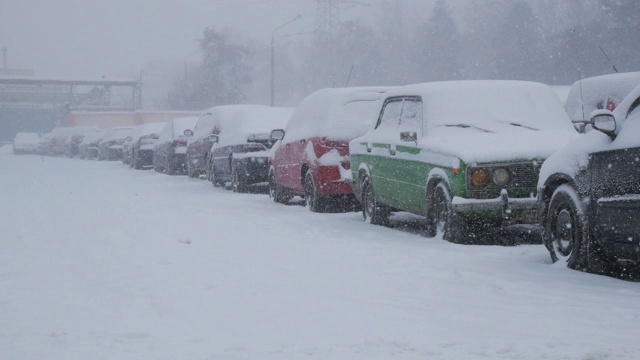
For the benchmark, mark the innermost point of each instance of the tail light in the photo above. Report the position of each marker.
(179, 142)
(112, 142)
(333, 143)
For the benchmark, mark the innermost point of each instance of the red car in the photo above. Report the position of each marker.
(311, 159)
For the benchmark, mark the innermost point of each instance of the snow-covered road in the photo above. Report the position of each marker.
(98, 261)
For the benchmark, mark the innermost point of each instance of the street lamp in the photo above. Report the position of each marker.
(273, 56)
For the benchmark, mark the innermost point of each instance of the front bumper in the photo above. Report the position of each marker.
(617, 229)
(503, 204)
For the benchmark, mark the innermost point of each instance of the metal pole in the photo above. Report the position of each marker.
(273, 62)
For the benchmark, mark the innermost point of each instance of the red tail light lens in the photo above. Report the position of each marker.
(179, 142)
(333, 143)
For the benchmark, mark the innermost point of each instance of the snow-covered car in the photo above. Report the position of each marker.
(25, 143)
(240, 152)
(170, 150)
(598, 92)
(463, 154)
(589, 193)
(88, 148)
(58, 140)
(198, 145)
(141, 143)
(312, 157)
(76, 136)
(110, 147)
(43, 144)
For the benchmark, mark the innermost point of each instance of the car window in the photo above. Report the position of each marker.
(390, 116)
(411, 117)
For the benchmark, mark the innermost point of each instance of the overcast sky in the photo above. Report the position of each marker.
(116, 38)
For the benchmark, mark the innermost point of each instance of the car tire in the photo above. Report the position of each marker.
(373, 212)
(236, 185)
(312, 199)
(565, 232)
(276, 192)
(442, 219)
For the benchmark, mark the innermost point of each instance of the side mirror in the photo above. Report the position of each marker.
(128, 138)
(188, 132)
(409, 136)
(213, 138)
(604, 121)
(154, 136)
(277, 134)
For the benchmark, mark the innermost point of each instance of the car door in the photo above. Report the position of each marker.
(615, 183)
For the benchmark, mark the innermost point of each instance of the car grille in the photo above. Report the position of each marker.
(523, 176)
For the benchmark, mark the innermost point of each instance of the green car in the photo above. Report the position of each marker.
(463, 154)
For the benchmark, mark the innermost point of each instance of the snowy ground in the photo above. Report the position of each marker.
(98, 261)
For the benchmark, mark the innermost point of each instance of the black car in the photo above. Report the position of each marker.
(170, 149)
(245, 167)
(589, 194)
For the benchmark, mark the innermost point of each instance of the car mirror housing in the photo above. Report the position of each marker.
(277, 134)
(188, 132)
(213, 138)
(128, 138)
(604, 121)
(154, 136)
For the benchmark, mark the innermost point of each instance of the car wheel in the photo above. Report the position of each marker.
(276, 192)
(564, 232)
(236, 185)
(312, 199)
(372, 211)
(439, 210)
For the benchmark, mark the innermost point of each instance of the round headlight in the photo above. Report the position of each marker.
(479, 177)
(501, 176)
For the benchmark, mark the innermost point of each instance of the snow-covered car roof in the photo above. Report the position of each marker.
(114, 133)
(146, 129)
(215, 116)
(26, 138)
(61, 132)
(598, 92)
(93, 136)
(248, 120)
(493, 105)
(337, 113)
(175, 128)
(571, 158)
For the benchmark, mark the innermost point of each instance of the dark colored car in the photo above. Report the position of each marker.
(170, 150)
(239, 157)
(589, 193)
(88, 148)
(199, 145)
(143, 141)
(110, 147)
(76, 137)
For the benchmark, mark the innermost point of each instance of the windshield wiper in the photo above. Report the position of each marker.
(465, 126)
(524, 126)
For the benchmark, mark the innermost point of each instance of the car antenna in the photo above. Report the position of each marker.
(610, 62)
(575, 41)
(349, 77)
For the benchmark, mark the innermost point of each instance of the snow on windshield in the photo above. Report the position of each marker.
(117, 133)
(343, 113)
(495, 106)
(146, 129)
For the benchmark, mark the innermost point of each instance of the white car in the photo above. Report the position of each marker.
(25, 143)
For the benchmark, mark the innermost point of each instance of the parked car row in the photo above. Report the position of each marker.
(466, 156)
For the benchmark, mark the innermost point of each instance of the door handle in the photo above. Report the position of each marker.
(392, 152)
(368, 149)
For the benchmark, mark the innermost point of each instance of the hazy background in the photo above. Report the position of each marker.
(375, 41)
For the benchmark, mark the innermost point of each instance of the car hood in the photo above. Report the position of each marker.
(573, 157)
(474, 145)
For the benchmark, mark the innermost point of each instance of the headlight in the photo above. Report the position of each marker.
(479, 177)
(501, 176)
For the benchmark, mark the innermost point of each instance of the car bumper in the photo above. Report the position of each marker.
(503, 204)
(329, 181)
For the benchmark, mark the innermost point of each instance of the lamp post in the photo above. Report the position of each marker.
(273, 65)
